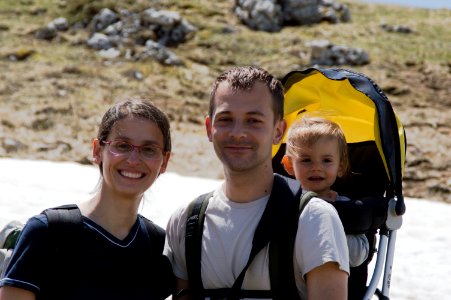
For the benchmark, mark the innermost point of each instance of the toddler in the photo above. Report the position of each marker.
(316, 154)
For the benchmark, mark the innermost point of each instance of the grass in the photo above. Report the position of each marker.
(210, 45)
(52, 101)
(212, 49)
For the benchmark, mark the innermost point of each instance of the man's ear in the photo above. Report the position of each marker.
(280, 128)
(208, 125)
(288, 165)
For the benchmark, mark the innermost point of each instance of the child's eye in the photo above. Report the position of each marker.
(305, 160)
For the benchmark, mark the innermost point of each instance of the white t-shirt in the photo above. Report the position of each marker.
(227, 241)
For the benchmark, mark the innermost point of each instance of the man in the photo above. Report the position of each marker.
(245, 119)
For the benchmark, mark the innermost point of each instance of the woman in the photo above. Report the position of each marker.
(115, 253)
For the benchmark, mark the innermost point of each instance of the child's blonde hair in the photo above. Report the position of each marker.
(308, 130)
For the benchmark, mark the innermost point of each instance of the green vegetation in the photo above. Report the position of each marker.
(52, 99)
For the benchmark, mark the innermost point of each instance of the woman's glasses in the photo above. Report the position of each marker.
(147, 151)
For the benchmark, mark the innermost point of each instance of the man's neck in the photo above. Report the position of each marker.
(248, 186)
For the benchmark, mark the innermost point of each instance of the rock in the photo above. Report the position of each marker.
(45, 33)
(59, 24)
(99, 41)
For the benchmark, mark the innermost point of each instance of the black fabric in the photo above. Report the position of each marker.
(277, 226)
(288, 194)
(363, 214)
(65, 228)
(193, 243)
(74, 270)
(367, 177)
(281, 269)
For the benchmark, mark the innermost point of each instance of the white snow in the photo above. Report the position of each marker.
(421, 270)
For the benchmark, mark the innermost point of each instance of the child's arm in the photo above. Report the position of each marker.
(358, 249)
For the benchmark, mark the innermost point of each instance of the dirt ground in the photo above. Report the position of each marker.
(54, 130)
(53, 94)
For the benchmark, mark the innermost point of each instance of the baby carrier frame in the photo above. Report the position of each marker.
(377, 147)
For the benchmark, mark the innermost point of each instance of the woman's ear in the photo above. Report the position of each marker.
(96, 152)
(165, 162)
(288, 165)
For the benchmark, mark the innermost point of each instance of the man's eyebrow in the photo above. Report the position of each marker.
(256, 112)
(249, 113)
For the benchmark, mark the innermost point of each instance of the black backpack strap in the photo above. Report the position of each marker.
(156, 236)
(63, 216)
(193, 244)
(281, 270)
(65, 224)
(65, 243)
(280, 212)
(288, 194)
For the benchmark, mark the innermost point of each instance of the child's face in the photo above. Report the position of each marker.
(318, 166)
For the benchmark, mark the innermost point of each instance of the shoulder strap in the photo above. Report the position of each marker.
(279, 213)
(156, 236)
(282, 210)
(305, 199)
(65, 240)
(281, 270)
(193, 243)
(160, 262)
(65, 223)
(64, 216)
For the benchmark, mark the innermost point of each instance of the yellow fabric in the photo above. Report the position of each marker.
(316, 95)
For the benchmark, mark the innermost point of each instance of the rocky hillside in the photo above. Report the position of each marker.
(54, 86)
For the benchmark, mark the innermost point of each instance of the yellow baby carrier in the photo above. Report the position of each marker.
(377, 147)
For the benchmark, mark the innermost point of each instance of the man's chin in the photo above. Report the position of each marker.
(236, 166)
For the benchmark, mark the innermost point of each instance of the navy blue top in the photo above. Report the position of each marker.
(106, 267)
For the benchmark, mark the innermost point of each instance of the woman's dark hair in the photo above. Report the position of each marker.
(134, 107)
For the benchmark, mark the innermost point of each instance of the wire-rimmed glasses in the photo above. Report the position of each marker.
(147, 151)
